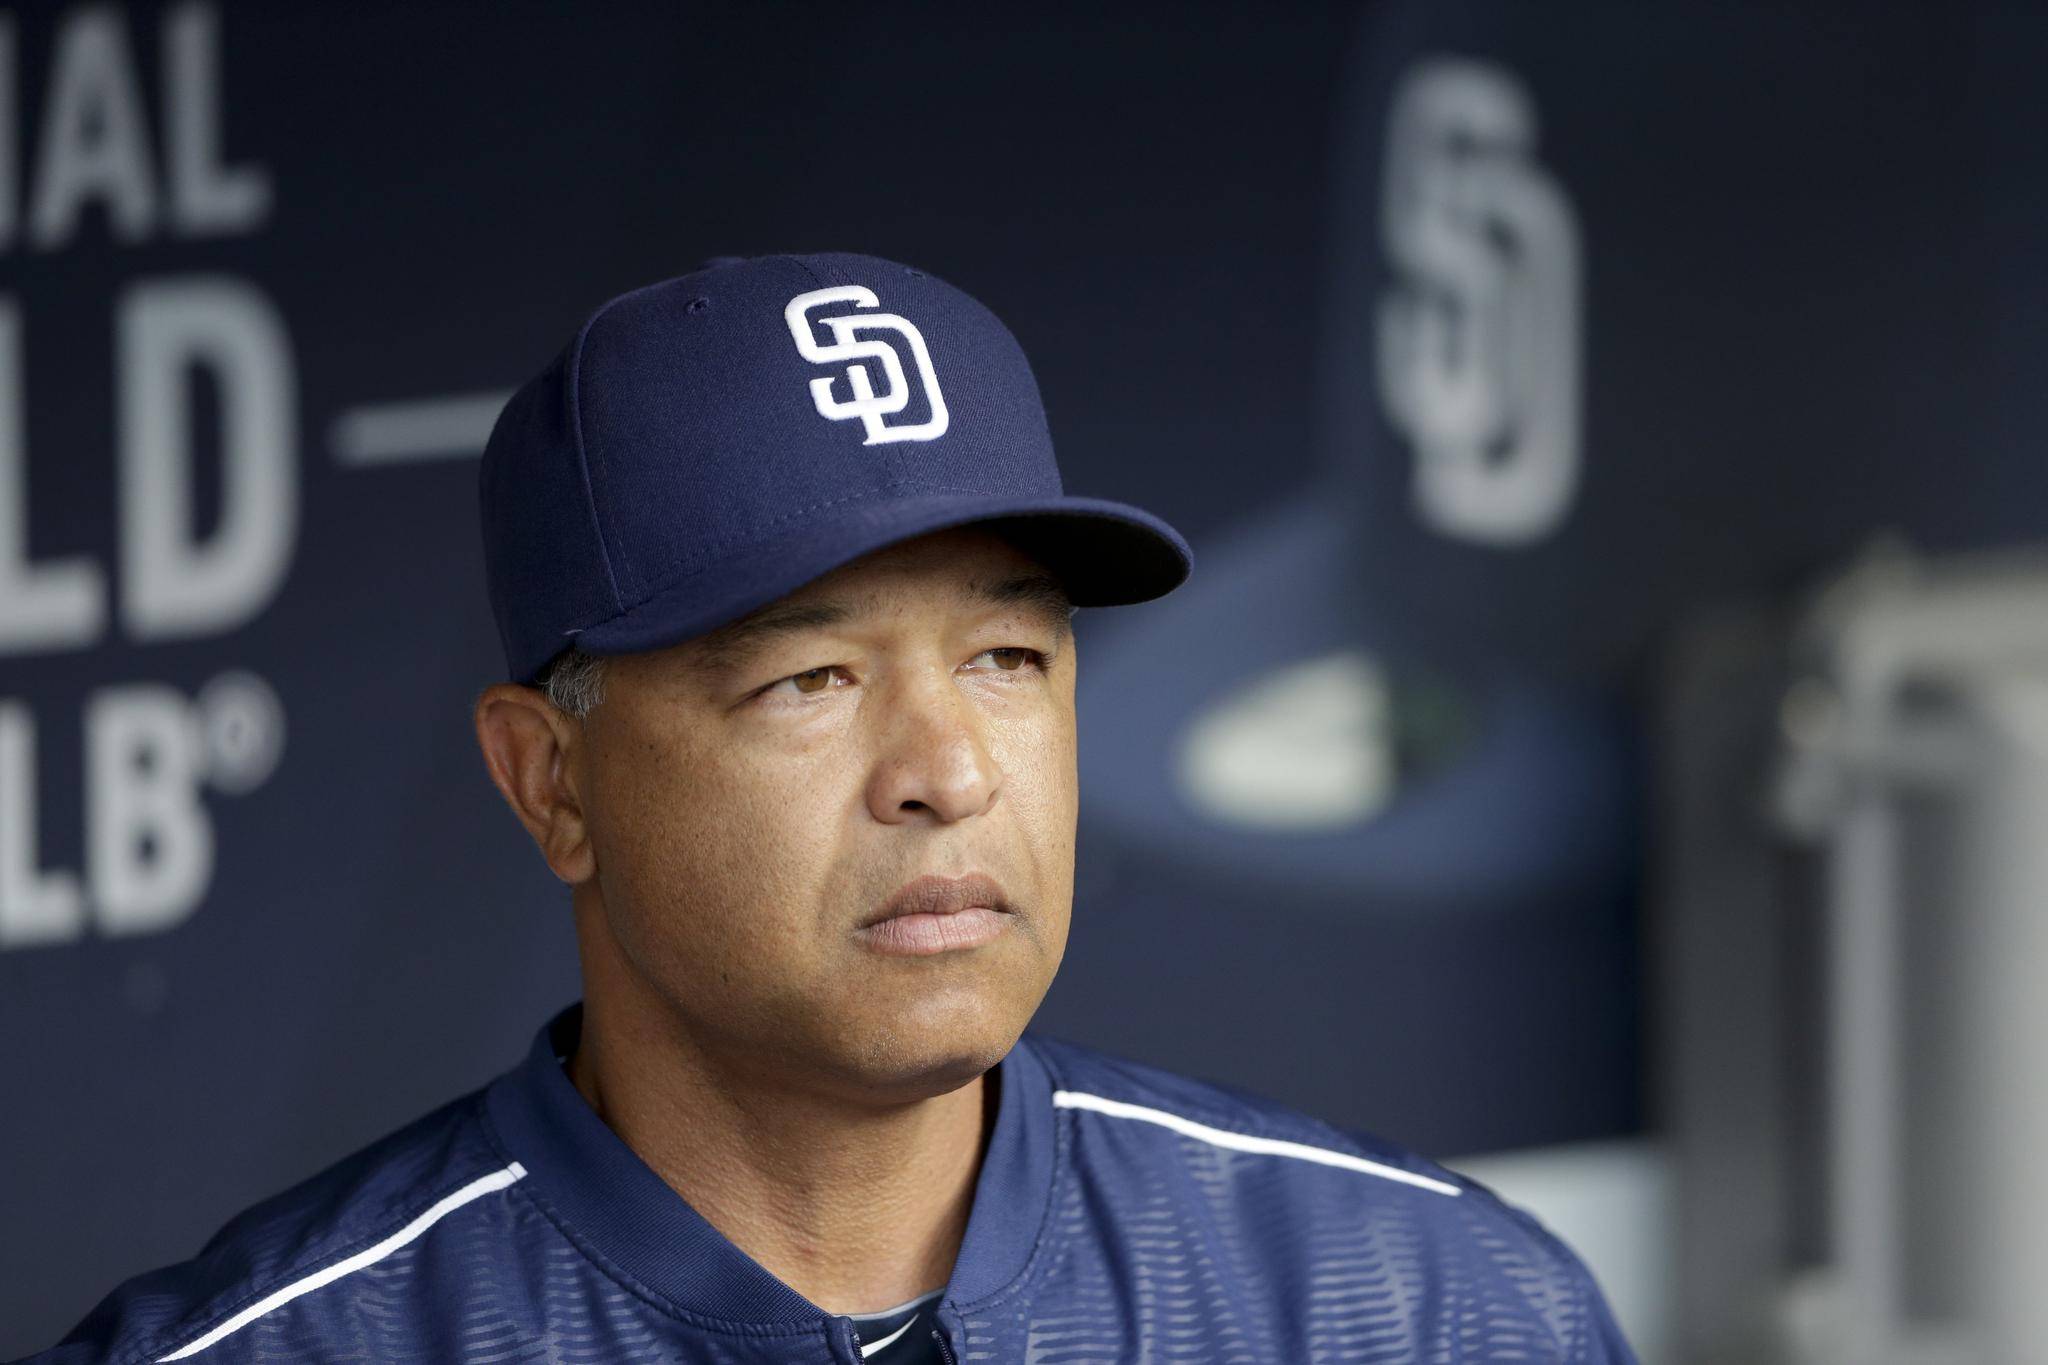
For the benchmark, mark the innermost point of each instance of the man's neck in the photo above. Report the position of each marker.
(857, 1209)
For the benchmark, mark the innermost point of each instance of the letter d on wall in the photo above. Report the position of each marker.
(172, 585)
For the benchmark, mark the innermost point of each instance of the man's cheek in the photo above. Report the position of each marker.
(1045, 779)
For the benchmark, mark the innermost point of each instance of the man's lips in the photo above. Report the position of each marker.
(932, 914)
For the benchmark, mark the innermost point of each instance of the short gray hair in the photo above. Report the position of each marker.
(573, 681)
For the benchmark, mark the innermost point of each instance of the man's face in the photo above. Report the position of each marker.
(756, 796)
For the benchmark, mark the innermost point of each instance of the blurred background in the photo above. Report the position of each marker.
(1604, 744)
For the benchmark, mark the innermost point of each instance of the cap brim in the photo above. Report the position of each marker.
(1105, 553)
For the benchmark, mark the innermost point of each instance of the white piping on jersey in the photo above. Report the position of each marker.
(475, 1189)
(1245, 1142)
(869, 1348)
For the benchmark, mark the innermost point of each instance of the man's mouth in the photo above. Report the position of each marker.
(932, 914)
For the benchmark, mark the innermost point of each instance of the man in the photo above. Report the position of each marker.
(784, 574)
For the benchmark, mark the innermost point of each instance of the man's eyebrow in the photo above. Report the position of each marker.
(1039, 593)
(731, 645)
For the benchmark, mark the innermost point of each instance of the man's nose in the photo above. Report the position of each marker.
(934, 761)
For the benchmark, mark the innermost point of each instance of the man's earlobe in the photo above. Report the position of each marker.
(526, 744)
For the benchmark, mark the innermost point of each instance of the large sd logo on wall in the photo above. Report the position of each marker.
(1479, 339)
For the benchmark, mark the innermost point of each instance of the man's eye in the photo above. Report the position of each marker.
(1004, 658)
(1010, 658)
(809, 681)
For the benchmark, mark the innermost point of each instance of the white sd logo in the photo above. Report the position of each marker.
(1479, 343)
(846, 348)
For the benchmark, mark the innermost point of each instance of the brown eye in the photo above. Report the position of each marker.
(812, 679)
(1013, 658)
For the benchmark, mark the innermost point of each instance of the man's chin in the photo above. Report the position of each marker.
(927, 1054)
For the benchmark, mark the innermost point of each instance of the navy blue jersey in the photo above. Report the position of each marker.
(1121, 1213)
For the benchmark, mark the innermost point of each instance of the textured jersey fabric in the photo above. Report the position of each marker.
(1122, 1213)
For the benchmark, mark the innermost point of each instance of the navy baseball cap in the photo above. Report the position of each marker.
(710, 443)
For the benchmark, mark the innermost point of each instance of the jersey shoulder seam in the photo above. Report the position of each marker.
(180, 1334)
(1224, 1116)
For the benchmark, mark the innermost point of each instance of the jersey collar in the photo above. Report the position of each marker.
(610, 1201)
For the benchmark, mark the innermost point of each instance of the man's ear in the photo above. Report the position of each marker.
(527, 745)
